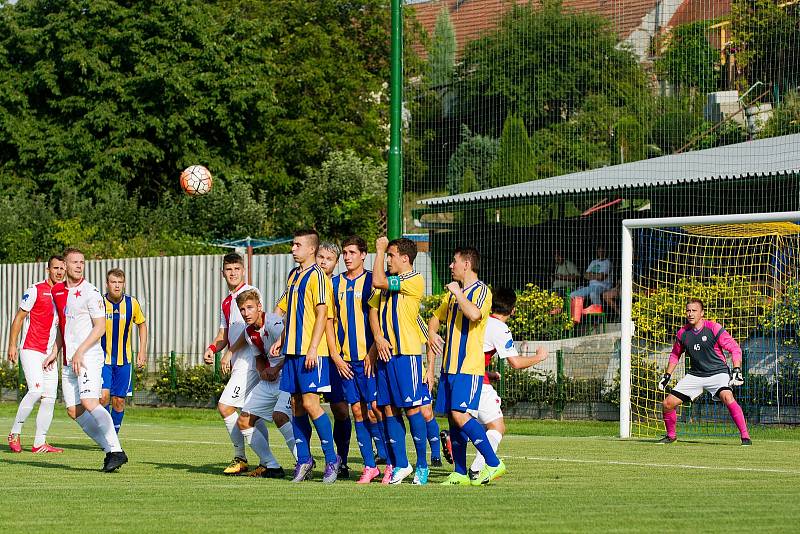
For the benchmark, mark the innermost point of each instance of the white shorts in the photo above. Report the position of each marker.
(691, 386)
(87, 385)
(488, 406)
(266, 398)
(244, 378)
(39, 380)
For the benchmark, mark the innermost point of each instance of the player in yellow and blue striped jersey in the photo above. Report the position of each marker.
(123, 312)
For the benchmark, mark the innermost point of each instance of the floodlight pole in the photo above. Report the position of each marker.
(394, 207)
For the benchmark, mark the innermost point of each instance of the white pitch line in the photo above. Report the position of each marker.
(659, 466)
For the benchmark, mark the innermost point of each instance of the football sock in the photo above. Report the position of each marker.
(365, 444)
(670, 422)
(24, 410)
(302, 436)
(390, 458)
(325, 432)
(117, 418)
(376, 431)
(288, 437)
(259, 442)
(494, 438)
(419, 434)
(342, 432)
(458, 442)
(433, 438)
(477, 435)
(738, 418)
(106, 425)
(397, 440)
(89, 426)
(236, 435)
(43, 420)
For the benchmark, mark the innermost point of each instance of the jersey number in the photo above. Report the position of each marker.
(697, 346)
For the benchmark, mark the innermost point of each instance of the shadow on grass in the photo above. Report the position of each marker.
(207, 469)
(64, 467)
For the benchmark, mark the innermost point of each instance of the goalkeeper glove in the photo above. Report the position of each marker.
(736, 378)
(664, 381)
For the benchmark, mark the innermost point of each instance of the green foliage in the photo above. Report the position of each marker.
(629, 140)
(195, 385)
(676, 118)
(475, 153)
(709, 135)
(732, 301)
(515, 159)
(689, 61)
(9, 377)
(785, 312)
(442, 52)
(785, 117)
(429, 304)
(525, 385)
(540, 315)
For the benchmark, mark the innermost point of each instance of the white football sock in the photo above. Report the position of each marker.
(89, 426)
(236, 435)
(258, 439)
(494, 439)
(25, 408)
(43, 420)
(106, 425)
(288, 435)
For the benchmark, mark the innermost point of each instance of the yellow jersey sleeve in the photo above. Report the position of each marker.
(137, 315)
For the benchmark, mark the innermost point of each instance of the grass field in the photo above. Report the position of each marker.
(563, 476)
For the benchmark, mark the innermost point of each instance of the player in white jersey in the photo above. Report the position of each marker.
(82, 322)
(38, 341)
(240, 362)
(266, 402)
(497, 340)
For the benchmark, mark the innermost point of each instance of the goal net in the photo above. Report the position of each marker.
(745, 269)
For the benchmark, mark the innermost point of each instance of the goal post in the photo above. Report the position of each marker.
(716, 249)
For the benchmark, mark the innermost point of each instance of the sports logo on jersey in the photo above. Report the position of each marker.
(704, 338)
(25, 297)
(509, 343)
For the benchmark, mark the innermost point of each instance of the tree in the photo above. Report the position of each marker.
(689, 61)
(475, 154)
(515, 161)
(442, 52)
(785, 117)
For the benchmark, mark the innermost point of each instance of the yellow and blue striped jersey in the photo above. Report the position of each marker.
(305, 290)
(398, 313)
(120, 318)
(463, 342)
(352, 315)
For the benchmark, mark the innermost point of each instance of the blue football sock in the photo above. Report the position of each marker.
(376, 431)
(397, 440)
(342, 431)
(365, 444)
(117, 418)
(419, 434)
(390, 459)
(302, 437)
(458, 442)
(433, 438)
(325, 433)
(477, 435)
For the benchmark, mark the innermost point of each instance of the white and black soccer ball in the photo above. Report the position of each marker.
(196, 180)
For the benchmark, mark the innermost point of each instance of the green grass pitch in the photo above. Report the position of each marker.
(563, 476)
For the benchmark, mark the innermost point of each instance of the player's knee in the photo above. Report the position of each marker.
(244, 421)
(358, 414)
(498, 424)
(72, 412)
(670, 403)
(225, 410)
(118, 404)
(279, 418)
(340, 411)
(459, 418)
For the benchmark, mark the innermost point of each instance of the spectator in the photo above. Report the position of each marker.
(565, 276)
(598, 273)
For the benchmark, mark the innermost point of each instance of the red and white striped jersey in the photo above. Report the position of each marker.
(40, 330)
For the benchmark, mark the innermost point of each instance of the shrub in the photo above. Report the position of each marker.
(193, 384)
(540, 314)
(9, 376)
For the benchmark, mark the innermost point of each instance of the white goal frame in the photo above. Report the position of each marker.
(626, 287)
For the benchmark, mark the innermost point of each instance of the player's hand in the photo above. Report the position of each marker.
(454, 287)
(141, 360)
(382, 244)
(737, 379)
(662, 384)
(429, 378)
(225, 363)
(369, 372)
(494, 376)
(12, 355)
(436, 344)
(384, 349)
(311, 358)
(541, 354)
(275, 349)
(208, 356)
(77, 362)
(48, 363)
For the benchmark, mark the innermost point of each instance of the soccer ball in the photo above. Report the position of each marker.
(196, 180)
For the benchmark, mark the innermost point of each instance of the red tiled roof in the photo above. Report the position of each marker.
(694, 10)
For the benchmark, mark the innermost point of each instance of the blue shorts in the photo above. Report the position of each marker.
(400, 382)
(427, 398)
(295, 378)
(360, 388)
(336, 394)
(458, 392)
(117, 379)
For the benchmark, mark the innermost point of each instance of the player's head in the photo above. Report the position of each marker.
(354, 251)
(304, 245)
(695, 311)
(503, 300)
(328, 256)
(74, 262)
(601, 252)
(400, 255)
(233, 269)
(466, 261)
(558, 255)
(115, 283)
(56, 268)
(249, 304)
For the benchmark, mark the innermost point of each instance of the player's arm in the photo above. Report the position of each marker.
(729, 345)
(13, 335)
(320, 322)
(219, 343)
(382, 345)
(674, 357)
(141, 358)
(435, 348)
(523, 362)
(467, 307)
(379, 279)
(98, 330)
(333, 349)
(57, 346)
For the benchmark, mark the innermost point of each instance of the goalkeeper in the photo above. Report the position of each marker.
(703, 342)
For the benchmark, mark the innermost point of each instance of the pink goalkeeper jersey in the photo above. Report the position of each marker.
(40, 334)
(703, 346)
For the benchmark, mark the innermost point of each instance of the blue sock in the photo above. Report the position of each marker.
(390, 459)
(397, 440)
(342, 430)
(420, 436)
(108, 407)
(325, 433)
(433, 438)
(117, 418)
(458, 441)
(302, 437)
(376, 431)
(477, 435)
(365, 444)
